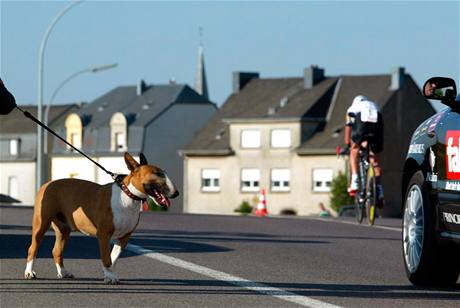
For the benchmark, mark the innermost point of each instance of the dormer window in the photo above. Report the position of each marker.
(118, 133)
(281, 138)
(250, 138)
(120, 142)
(14, 147)
(74, 130)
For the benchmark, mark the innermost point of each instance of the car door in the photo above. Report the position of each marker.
(448, 142)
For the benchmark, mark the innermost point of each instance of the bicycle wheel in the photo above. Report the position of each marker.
(371, 195)
(359, 208)
(360, 197)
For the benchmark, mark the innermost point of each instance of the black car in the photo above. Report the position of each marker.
(431, 188)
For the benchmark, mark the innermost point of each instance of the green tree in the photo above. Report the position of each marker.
(339, 194)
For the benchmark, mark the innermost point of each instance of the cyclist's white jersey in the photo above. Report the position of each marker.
(366, 109)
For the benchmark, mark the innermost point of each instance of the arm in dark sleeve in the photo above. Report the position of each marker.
(7, 101)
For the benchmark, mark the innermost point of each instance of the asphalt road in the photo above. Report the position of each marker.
(221, 261)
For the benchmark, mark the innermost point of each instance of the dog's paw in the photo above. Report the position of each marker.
(65, 274)
(30, 275)
(110, 277)
(111, 280)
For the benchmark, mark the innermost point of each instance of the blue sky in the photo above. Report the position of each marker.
(157, 41)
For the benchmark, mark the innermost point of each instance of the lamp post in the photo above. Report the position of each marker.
(94, 69)
(41, 54)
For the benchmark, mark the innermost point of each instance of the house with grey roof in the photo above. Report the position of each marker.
(280, 134)
(156, 120)
(18, 144)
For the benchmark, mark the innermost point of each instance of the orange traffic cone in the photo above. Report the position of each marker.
(262, 205)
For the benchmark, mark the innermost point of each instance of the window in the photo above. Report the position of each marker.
(210, 180)
(120, 142)
(281, 138)
(14, 147)
(250, 139)
(75, 140)
(118, 132)
(13, 187)
(280, 179)
(250, 179)
(322, 180)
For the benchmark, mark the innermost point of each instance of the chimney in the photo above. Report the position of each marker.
(397, 78)
(312, 75)
(141, 87)
(240, 79)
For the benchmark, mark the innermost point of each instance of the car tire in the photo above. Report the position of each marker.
(427, 261)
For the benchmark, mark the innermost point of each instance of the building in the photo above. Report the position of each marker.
(18, 144)
(156, 120)
(281, 133)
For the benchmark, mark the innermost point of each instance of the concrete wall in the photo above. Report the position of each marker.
(25, 175)
(72, 167)
(301, 196)
(82, 168)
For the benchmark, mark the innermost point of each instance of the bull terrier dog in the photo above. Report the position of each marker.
(109, 211)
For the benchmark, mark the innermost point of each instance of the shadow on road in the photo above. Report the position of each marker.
(82, 247)
(183, 286)
(258, 237)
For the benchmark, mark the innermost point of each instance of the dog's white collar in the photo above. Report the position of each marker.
(130, 190)
(136, 192)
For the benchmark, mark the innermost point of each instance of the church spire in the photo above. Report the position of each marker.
(201, 85)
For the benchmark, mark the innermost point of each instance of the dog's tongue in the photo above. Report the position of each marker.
(160, 199)
(164, 201)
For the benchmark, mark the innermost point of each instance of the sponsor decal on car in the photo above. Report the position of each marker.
(434, 123)
(453, 154)
(451, 218)
(432, 176)
(453, 186)
(417, 148)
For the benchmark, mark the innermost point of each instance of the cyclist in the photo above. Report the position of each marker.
(364, 123)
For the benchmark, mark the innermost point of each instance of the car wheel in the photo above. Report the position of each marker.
(427, 261)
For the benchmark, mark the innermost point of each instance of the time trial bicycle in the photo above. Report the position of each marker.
(366, 195)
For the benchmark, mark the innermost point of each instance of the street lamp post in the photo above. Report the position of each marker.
(94, 69)
(41, 54)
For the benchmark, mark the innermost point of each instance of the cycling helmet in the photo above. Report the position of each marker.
(359, 98)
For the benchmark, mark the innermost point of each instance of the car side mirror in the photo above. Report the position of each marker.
(440, 88)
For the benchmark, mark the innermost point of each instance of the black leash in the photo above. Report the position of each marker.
(30, 116)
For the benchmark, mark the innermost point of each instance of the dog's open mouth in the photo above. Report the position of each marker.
(158, 197)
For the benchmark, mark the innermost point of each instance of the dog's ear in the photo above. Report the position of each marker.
(143, 159)
(131, 163)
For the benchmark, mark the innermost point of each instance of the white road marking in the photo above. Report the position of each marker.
(230, 279)
(364, 224)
